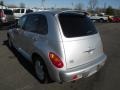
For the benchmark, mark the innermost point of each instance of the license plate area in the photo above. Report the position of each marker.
(91, 71)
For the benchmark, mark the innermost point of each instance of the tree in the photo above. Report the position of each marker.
(93, 4)
(12, 6)
(110, 10)
(22, 5)
(2, 3)
(79, 6)
(42, 3)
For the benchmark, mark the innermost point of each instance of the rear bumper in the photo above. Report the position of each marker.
(85, 70)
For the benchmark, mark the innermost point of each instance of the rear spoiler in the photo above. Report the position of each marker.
(75, 11)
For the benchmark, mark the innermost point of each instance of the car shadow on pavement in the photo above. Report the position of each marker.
(7, 26)
(25, 63)
(90, 81)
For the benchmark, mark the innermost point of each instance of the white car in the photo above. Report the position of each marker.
(99, 18)
(18, 12)
(62, 45)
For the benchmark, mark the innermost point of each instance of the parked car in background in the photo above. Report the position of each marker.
(6, 16)
(99, 18)
(115, 19)
(18, 12)
(62, 45)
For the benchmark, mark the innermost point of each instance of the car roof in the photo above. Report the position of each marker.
(54, 12)
(6, 9)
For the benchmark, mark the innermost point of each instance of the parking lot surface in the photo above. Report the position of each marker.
(17, 74)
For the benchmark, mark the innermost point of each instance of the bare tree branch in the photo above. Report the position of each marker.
(93, 4)
(22, 5)
(79, 6)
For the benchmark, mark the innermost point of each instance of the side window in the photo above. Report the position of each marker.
(36, 23)
(21, 21)
(16, 11)
(100, 15)
(22, 10)
(29, 11)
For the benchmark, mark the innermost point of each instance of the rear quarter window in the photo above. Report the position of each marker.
(76, 25)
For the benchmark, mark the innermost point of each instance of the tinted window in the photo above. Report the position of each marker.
(8, 12)
(100, 15)
(29, 11)
(22, 10)
(17, 11)
(75, 25)
(36, 23)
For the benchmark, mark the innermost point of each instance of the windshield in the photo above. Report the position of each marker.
(8, 12)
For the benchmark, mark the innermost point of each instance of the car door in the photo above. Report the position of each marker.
(34, 29)
(18, 32)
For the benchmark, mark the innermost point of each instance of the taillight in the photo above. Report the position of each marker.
(55, 60)
(75, 77)
(2, 14)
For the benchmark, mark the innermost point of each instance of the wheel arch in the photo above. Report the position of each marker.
(36, 55)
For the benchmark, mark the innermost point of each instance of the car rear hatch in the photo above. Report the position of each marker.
(82, 43)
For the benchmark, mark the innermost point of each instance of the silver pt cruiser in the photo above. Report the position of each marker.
(62, 45)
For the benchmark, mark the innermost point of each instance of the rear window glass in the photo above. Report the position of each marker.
(76, 25)
(8, 12)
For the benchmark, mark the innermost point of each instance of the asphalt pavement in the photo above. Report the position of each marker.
(17, 74)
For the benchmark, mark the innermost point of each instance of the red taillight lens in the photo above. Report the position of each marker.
(1, 14)
(75, 77)
(55, 60)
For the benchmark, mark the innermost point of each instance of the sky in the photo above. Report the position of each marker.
(62, 3)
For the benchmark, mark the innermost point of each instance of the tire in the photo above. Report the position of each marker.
(41, 70)
(93, 21)
(101, 20)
